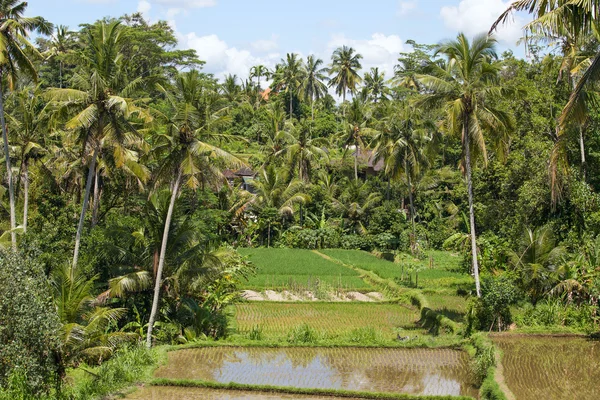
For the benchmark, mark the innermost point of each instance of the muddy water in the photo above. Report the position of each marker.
(414, 371)
(181, 393)
(551, 368)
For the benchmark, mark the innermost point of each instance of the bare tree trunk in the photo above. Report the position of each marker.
(471, 208)
(25, 194)
(11, 189)
(161, 260)
(96, 200)
(86, 200)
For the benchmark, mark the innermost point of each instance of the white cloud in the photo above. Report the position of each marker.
(144, 7)
(379, 51)
(222, 59)
(476, 16)
(265, 46)
(405, 7)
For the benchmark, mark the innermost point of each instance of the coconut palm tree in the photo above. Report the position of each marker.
(345, 64)
(375, 88)
(258, 71)
(574, 19)
(98, 106)
(59, 46)
(274, 191)
(354, 205)
(302, 150)
(289, 76)
(401, 145)
(186, 157)
(29, 120)
(356, 129)
(15, 53)
(464, 89)
(312, 86)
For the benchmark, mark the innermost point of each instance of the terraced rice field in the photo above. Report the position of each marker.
(302, 269)
(332, 319)
(441, 276)
(183, 393)
(551, 368)
(412, 371)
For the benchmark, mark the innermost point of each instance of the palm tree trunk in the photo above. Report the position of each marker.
(410, 200)
(86, 200)
(343, 102)
(582, 151)
(96, 201)
(291, 104)
(161, 260)
(356, 163)
(471, 208)
(11, 189)
(312, 107)
(25, 194)
(269, 236)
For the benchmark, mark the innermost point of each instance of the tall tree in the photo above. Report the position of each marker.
(313, 85)
(345, 64)
(355, 129)
(29, 120)
(288, 77)
(465, 88)
(375, 88)
(15, 53)
(258, 71)
(401, 144)
(100, 111)
(186, 157)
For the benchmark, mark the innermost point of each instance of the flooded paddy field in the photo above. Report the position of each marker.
(411, 371)
(551, 368)
(183, 393)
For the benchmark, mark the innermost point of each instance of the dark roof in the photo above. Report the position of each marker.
(245, 171)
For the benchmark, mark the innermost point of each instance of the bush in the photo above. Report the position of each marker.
(556, 313)
(29, 325)
(303, 334)
(493, 308)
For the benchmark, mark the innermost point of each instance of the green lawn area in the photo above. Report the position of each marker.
(298, 269)
(443, 275)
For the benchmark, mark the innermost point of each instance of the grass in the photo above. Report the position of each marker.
(351, 321)
(443, 276)
(292, 269)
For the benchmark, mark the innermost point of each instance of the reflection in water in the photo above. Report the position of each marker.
(551, 368)
(415, 371)
(181, 393)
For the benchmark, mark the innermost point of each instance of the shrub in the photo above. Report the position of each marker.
(302, 334)
(29, 325)
(493, 308)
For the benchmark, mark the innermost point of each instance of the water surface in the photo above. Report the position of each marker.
(551, 368)
(413, 371)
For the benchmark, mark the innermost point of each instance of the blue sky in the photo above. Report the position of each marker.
(233, 35)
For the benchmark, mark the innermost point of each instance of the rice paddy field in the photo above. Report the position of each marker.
(551, 368)
(190, 393)
(292, 269)
(409, 371)
(277, 320)
(442, 274)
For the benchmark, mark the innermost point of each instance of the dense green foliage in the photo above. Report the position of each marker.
(29, 326)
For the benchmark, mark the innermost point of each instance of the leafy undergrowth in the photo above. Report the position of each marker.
(296, 269)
